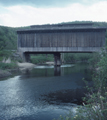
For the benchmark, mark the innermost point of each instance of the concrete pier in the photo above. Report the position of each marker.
(57, 59)
(26, 57)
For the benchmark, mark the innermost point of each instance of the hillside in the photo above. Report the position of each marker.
(8, 37)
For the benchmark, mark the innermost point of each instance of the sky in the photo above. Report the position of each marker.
(19, 13)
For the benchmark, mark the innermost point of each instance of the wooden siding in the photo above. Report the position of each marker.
(62, 39)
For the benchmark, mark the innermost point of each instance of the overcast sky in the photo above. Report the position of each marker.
(16, 13)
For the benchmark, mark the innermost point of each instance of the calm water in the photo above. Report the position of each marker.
(43, 93)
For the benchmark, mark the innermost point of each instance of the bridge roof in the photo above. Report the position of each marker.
(62, 27)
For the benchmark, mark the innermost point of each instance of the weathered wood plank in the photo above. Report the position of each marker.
(61, 39)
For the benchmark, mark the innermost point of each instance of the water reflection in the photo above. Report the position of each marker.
(57, 71)
(48, 71)
(63, 97)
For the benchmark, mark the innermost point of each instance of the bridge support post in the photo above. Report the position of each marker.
(57, 59)
(26, 57)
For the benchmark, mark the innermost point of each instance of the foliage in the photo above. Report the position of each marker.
(5, 53)
(75, 57)
(8, 66)
(41, 58)
(8, 38)
(95, 24)
(68, 57)
(93, 60)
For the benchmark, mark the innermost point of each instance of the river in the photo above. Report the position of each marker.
(42, 94)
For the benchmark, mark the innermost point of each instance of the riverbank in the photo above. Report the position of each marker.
(25, 66)
(5, 73)
(20, 68)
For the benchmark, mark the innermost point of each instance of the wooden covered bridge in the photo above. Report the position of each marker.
(60, 38)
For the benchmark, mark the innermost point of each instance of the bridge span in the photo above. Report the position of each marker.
(60, 38)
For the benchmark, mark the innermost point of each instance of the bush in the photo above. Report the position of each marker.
(75, 57)
(8, 66)
(68, 57)
(41, 58)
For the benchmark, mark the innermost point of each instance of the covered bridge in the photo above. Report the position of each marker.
(60, 38)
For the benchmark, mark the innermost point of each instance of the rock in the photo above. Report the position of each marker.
(8, 60)
(50, 63)
(25, 66)
(4, 73)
